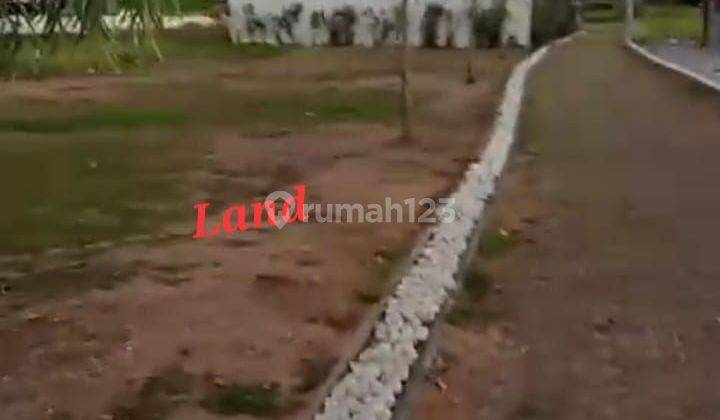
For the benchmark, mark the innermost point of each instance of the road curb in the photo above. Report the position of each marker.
(375, 381)
(644, 52)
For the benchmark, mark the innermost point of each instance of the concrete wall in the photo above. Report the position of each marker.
(444, 23)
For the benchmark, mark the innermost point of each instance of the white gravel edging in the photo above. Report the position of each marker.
(672, 66)
(374, 382)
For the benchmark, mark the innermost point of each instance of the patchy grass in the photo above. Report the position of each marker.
(195, 6)
(477, 283)
(494, 244)
(235, 399)
(74, 278)
(81, 188)
(195, 42)
(662, 22)
(314, 372)
(389, 261)
(94, 175)
(158, 397)
(110, 119)
(467, 305)
(66, 56)
(366, 105)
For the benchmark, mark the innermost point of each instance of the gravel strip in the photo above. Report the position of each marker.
(370, 389)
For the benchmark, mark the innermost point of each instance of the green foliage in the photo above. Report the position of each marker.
(38, 39)
(64, 55)
(552, 19)
(601, 11)
(487, 24)
(143, 17)
(195, 6)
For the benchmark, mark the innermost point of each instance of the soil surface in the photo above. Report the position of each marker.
(110, 311)
(605, 304)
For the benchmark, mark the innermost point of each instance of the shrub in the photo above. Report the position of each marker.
(552, 19)
(487, 24)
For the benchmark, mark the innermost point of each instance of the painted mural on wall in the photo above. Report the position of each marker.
(432, 23)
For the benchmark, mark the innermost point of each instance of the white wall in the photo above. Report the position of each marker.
(366, 29)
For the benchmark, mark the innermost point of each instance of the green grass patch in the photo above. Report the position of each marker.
(467, 305)
(238, 399)
(158, 397)
(96, 176)
(662, 22)
(195, 42)
(477, 283)
(324, 107)
(66, 56)
(495, 244)
(195, 6)
(111, 119)
(90, 186)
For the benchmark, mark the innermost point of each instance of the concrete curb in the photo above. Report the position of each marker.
(374, 382)
(672, 66)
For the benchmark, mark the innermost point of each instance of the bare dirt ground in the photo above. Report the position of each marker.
(602, 300)
(151, 324)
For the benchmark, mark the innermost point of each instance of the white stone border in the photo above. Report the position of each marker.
(374, 382)
(672, 66)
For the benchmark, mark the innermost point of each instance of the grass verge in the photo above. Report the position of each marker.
(495, 244)
(238, 399)
(662, 22)
(467, 306)
(39, 58)
(111, 119)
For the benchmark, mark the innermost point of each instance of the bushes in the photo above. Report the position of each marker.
(552, 19)
(487, 24)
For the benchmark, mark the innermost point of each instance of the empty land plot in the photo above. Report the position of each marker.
(108, 306)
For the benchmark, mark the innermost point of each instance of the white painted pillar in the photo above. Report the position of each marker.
(629, 20)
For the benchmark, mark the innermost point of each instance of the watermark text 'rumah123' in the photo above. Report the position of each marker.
(280, 208)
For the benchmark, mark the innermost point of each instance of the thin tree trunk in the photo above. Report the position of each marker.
(406, 134)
